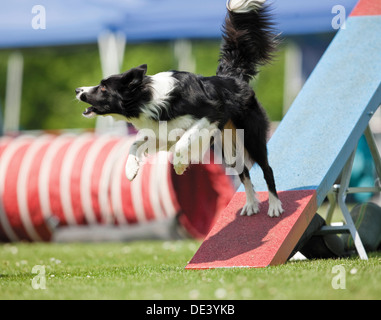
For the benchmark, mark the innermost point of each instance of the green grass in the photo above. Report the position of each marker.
(155, 270)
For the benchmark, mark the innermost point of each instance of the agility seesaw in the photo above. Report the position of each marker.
(313, 144)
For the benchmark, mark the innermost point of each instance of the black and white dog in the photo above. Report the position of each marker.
(193, 104)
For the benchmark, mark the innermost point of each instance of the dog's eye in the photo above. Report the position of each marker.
(103, 88)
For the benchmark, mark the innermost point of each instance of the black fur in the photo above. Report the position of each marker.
(248, 42)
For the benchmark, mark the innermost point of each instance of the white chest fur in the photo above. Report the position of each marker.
(162, 85)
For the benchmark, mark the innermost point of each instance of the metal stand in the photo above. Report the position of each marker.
(340, 191)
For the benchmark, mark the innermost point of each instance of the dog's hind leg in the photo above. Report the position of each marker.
(275, 205)
(236, 156)
(256, 147)
(252, 204)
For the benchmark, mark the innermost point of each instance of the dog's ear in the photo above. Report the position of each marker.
(134, 77)
(143, 68)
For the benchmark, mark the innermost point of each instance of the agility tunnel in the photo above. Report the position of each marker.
(70, 180)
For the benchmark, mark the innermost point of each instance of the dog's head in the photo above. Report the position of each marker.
(121, 94)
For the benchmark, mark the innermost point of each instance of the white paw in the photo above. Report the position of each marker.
(243, 6)
(132, 167)
(275, 207)
(180, 162)
(180, 168)
(250, 209)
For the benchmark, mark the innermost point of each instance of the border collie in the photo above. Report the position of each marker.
(192, 103)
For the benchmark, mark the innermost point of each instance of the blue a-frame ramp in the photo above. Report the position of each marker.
(308, 150)
(327, 119)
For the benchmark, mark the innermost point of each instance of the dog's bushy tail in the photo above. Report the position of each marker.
(249, 39)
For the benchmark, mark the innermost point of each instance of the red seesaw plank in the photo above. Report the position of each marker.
(367, 8)
(257, 241)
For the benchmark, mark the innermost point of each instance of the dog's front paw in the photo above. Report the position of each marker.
(132, 167)
(179, 163)
(180, 168)
(250, 209)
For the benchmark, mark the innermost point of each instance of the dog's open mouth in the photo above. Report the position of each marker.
(90, 112)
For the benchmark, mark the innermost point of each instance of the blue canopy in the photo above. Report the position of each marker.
(74, 21)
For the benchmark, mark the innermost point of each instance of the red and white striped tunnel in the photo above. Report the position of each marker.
(80, 180)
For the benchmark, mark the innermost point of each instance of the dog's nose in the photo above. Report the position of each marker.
(78, 90)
